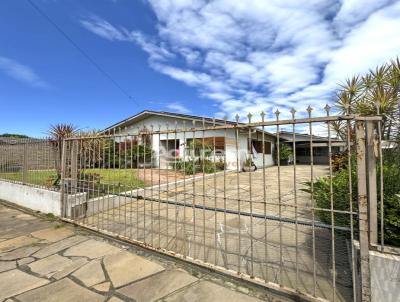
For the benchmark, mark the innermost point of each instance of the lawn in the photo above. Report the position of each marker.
(117, 177)
(35, 177)
(114, 180)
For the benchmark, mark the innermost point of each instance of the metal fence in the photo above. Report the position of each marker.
(30, 161)
(238, 197)
(262, 199)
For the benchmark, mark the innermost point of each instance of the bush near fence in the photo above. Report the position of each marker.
(341, 197)
(190, 167)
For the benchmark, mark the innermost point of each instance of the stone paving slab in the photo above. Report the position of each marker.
(50, 265)
(59, 246)
(158, 286)
(7, 265)
(103, 287)
(90, 274)
(15, 282)
(92, 249)
(64, 290)
(125, 267)
(10, 230)
(19, 253)
(25, 261)
(115, 299)
(76, 264)
(14, 243)
(53, 234)
(207, 291)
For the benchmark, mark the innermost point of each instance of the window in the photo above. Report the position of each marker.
(321, 151)
(170, 146)
(208, 143)
(220, 143)
(258, 146)
(302, 151)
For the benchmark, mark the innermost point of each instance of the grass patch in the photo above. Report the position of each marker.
(127, 178)
(100, 182)
(34, 177)
(113, 180)
(58, 226)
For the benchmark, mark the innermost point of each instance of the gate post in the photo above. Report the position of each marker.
(63, 169)
(372, 189)
(363, 212)
(25, 164)
(74, 167)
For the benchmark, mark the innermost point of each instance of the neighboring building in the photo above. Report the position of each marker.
(11, 140)
(320, 147)
(389, 145)
(237, 150)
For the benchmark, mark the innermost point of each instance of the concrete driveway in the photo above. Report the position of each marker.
(220, 219)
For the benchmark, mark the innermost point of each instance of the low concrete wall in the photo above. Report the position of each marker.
(37, 199)
(385, 277)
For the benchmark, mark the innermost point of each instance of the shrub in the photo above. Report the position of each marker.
(340, 184)
(339, 161)
(285, 152)
(126, 154)
(392, 220)
(189, 167)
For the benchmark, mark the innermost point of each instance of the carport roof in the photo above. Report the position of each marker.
(302, 137)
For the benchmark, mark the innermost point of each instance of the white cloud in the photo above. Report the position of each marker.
(259, 55)
(178, 107)
(108, 31)
(105, 30)
(21, 72)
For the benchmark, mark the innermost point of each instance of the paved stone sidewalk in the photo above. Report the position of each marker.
(45, 260)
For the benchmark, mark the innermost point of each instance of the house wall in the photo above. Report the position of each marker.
(160, 122)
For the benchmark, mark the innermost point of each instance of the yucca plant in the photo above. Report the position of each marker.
(57, 133)
(377, 92)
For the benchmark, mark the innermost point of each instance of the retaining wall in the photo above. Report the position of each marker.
(37, 199)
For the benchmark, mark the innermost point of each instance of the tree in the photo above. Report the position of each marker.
(376, 93)
(57, 133)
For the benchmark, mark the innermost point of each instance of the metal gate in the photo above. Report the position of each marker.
(259, 200)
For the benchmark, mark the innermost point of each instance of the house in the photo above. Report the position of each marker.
(238, 145)
(320, 146)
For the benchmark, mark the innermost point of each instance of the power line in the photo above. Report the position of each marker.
(84, 53)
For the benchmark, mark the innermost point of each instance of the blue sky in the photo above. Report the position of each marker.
(209, 58)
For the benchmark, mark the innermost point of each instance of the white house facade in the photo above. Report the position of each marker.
(237, 145)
